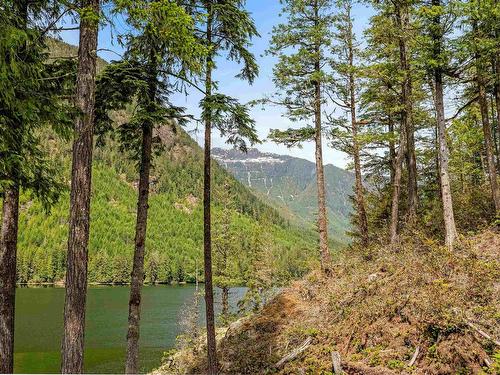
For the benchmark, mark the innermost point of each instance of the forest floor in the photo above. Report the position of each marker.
(420, 310)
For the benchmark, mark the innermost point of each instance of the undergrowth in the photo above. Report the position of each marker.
(376, 309)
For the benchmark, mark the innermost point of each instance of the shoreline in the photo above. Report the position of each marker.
(61, 284)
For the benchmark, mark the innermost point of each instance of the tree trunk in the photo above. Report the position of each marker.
(360, 200)
(402, 18)
(443, 152)
(207, 225)
(396, 188)
(8, 252)
(488, 144)
(225, 301)
(320, 177)
(8, 245)
(137, 277)
(79, 221)
(392, 149)
(496, 92)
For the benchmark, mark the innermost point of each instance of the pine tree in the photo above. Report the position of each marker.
(301, 47)
(436, 58)
(226, 247)
(479, 19)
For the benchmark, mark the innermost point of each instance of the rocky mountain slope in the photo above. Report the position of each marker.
(289, 183)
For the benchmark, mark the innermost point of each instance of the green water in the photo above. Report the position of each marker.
(39, 325)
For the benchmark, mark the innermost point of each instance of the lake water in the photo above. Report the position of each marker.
(39, 324)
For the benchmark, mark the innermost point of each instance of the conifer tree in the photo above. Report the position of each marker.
(437, 22)
(396, 19)
(479, 18)
(225, 27)
(225, 247)
(163, 52)
(81, 174)
(30, 99)
(300, 75)
(380, 92)
(345, 88)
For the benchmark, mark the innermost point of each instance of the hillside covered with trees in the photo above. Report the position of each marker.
(175, 238)
(99, 182)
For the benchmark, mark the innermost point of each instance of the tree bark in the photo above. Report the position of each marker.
(225, 301)
(443, 152)
(402, 19)
(79, 221)
(443, 155)
(360, 200)
(8, 244)
(392, 149)
(396, 188)
(488, 143)
(8, 253)
(320, 177)
(207, 225)
(137, 276)
(488, 140)
(496, 92)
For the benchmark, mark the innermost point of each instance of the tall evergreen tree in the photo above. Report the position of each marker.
(345, 87)
(301, 46)
(81, 175)
(403, 13)
(438, 22)
(225, 28)
(397, 20)
(161, 51)
(479, 27)
(226, 247)
(30, 99)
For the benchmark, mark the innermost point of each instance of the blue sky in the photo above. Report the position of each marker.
(266, 15)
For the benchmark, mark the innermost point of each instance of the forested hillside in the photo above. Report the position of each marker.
(175, 237)
(289, 183)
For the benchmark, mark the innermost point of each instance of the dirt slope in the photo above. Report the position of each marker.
(375, 310)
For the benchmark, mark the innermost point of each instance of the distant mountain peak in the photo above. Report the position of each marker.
(252, 156)
(290, 184)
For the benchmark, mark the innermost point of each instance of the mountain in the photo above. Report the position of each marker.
(289, 184)
(175, 223)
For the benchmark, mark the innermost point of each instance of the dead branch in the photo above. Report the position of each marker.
(415, 356)
(484, 334)
(294, 354)
(337, 365)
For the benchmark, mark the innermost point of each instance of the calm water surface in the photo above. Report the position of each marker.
(39, 324)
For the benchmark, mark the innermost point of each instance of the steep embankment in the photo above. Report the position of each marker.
(422, 310)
